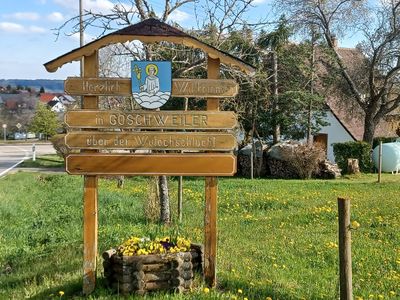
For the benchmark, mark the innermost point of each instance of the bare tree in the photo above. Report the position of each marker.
(380, 25)
(226, 14)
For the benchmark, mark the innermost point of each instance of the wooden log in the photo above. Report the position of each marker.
(108, 254)
(352, 166)
(187, 284)
(187, 265)
(178, 281)
(139, 275)
(120, 269)
(124, 278)
(157, 285)
(124, 288)
(186, 274)
(107, 264)
(185, 256)
(155, 267)
(195, 255)
(162, 276)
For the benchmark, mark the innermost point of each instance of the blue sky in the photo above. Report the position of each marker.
(28, 41)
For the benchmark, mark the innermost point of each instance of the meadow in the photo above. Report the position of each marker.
(277, 239)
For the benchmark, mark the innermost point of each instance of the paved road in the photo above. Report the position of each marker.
(12, 155)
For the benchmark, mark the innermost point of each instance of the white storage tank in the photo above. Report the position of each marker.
(390, 157)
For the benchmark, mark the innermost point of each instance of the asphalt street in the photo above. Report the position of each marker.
(11, 155)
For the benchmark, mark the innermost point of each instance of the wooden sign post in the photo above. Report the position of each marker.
(211, 198)
(90, 69)
(177, 130)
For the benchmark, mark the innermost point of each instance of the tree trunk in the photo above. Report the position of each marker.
(165, 214)
(276, 130)
(369, 129)
(312, 79)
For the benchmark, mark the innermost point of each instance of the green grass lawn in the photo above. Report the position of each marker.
(277, 238)
(44, 161)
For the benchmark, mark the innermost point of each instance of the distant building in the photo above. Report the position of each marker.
(47, 97)
(56, 106)
(346, 117)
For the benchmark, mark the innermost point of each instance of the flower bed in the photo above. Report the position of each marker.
(140, 265)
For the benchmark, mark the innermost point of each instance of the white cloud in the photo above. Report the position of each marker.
(55, 17)
(23, 16)
(179, 16)
(86, 37)
(18, 28)
(11, 27)
(257, 2)
(36, 29)
(97, 6)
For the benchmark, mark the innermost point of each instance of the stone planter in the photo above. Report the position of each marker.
(144, 273)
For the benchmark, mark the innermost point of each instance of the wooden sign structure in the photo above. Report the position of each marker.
(180, 87)
(150, 119)
(199, 141)
(92, 164)
(189, 164)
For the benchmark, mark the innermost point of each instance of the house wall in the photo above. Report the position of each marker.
(336, 134)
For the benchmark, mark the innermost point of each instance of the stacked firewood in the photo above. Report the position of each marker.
(144, 273)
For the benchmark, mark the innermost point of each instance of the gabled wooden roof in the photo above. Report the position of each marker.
(148, 31)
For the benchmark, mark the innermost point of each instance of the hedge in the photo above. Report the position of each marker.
(384, 140)
(359, 150)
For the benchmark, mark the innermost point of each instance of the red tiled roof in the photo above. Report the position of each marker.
(47, 97)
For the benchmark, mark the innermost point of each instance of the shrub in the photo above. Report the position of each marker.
(384, 140)
(304, 159)
(359, 150)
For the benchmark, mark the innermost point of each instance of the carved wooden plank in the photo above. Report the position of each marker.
(150, 119)
(181, 87)
(205, 164)
(151, 140)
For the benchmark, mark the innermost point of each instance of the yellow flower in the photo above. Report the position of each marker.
(268, 298)
(392, 293)
(359, 298)
(245, 298)
(355, 225)
(240, 291)
(61, 293)
(380, 296)
(206, 290)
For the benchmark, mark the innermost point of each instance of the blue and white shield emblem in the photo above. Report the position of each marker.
(151, 83)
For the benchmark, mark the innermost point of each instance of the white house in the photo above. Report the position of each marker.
(335, 132)
(56, 106)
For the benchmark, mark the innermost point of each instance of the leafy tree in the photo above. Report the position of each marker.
(275, 42)
(41, 91)
(44, 121)
(292, 114)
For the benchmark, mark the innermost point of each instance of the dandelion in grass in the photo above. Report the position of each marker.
(240, 291)
(268, 298)
(206, 290)
(61, 293)
(355, 225)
